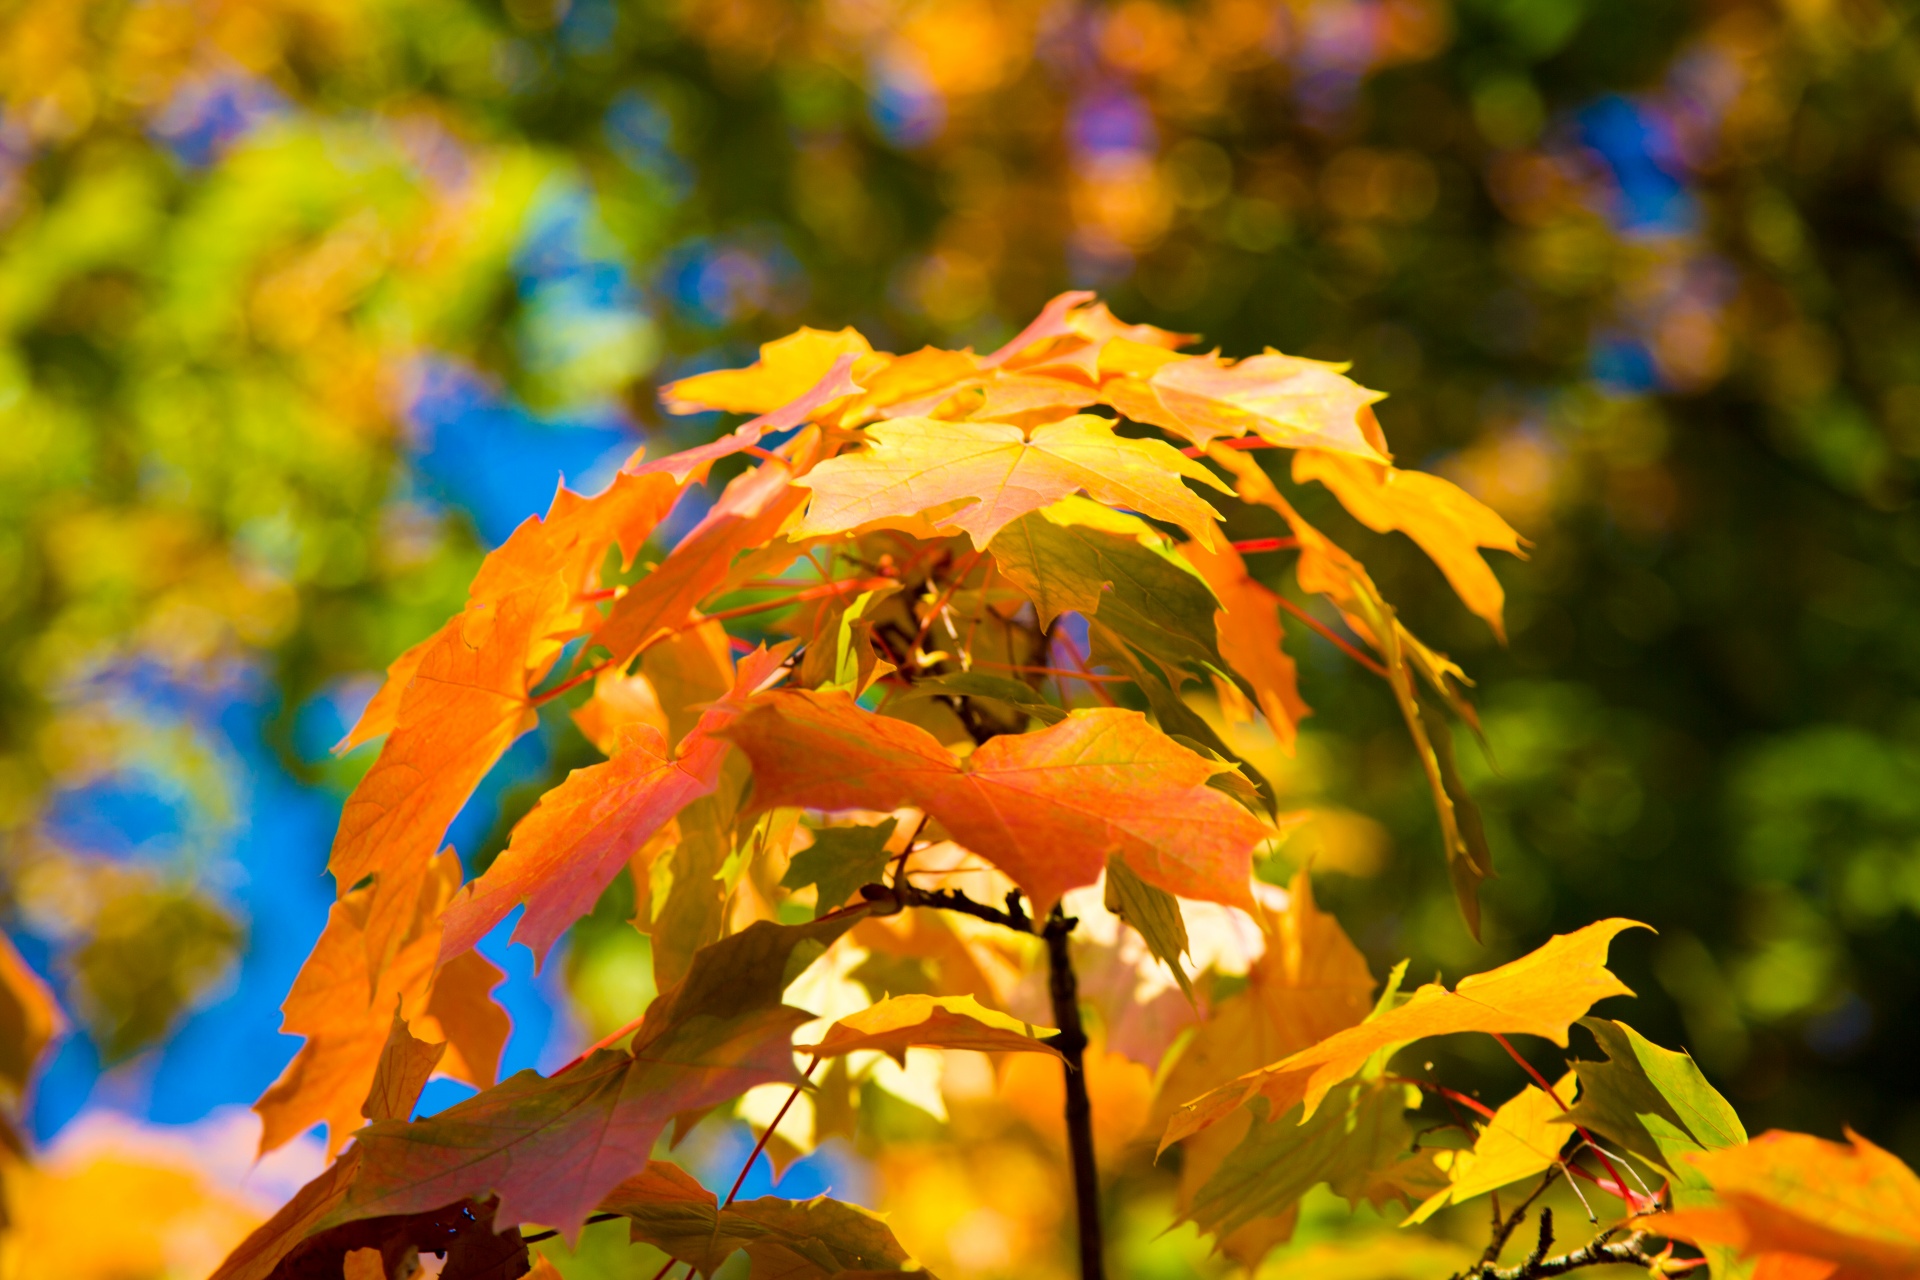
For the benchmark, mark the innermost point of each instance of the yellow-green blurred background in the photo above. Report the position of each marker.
(305, 303)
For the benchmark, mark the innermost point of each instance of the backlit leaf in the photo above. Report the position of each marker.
(1638, 1079)
(565, 853)
(1154, 914)
(1046, 807)
(997, 473)
(786, 370)
(1449, 524)
(751, 510)
(1151, 600)
(1290, 401)
(1248, 624)
(405, 1064)
(1360, 1128)
(1520, 1141)
(1541, 994)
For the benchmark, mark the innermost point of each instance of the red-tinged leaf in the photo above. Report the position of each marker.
(1047, 808)
(551, 1148)
(1054, 321)
(899, 1023)
(836, 384)
(1289, 401)
(1542, 994)
(300, 1242)
(1848, 1204)
(997, 473)
(260, 1255)
(1448, 523)
(786, 370)
(570, 543)
(1248, 623)
(579, 837)
(404, 1068)
(29, 1019)
(346, 1015)
(749, 513)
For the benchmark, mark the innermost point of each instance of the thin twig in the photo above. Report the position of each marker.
(1620, 1183)
(761, 1145)
(1330, 634)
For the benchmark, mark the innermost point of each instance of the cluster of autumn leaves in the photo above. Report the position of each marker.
(980, 583)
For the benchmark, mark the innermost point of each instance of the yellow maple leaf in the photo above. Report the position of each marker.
(1542, 993)
(1518, 1142)
(918, 464)
(1448, 523)
(786, 370)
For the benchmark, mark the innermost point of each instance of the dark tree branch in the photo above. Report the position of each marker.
(1071, 1041)
(1601, 1251)
(1072, 1044)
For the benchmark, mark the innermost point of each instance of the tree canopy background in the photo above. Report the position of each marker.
(305, 303)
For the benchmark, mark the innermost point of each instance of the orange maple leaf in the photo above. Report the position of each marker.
(1047, 808)
(1287, 400)
(1849, 1207)
(749, 513)
(1248, 623)
(329, 1079)
(581, 834)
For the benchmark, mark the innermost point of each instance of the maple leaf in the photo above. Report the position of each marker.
(783, 1239)
(347, 1032)
(1309, 983)
(834, 385)
(1640, 1079)
(551, 1147)
(998, 473)
(1285, 400)
(569, 543)
(1542, 993)
(895, 1024)
(1519, 1141)
(1047, 807)
(1077, 556)
(578, 838)
(302, 1242)
(750, 511)
(1248, 624)
(403, 1070)
(1848, 1205)
(786, 370)
(839, 861)
(463, 708)
(1361, 1129)
(1327, 570)
(1448, 523)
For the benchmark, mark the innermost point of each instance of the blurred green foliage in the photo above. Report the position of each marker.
(1641, 275)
